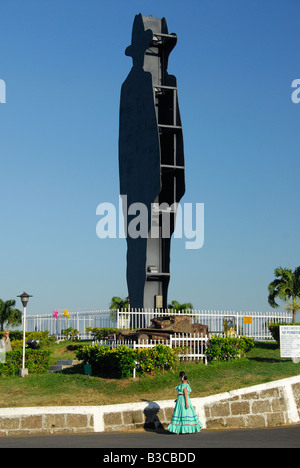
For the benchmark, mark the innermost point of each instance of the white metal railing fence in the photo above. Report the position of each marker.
(193, 345)
(79, 320)
(252, 324)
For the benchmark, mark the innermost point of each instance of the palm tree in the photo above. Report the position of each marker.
(286, 287)
(9, 315)
(175, 305)
(119, 303)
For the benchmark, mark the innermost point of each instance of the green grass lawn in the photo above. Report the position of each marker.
(262, 364)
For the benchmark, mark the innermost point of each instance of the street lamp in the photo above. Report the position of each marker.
(24, 298)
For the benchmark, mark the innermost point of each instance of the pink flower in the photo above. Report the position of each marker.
(55, 314)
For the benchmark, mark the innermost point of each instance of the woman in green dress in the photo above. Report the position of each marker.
(184, 419)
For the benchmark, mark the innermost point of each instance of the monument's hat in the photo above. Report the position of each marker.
(140, 38)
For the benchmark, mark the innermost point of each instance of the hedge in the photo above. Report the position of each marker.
(36, 361)
(119, 362)
(227, 348)
(16, 337)
(101, 333)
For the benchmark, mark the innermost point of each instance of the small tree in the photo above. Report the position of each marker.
(9, 315)
(119, 303)
(286, 287)
(175, 305)
(70, 333)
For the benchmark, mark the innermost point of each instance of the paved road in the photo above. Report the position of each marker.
(279, 437)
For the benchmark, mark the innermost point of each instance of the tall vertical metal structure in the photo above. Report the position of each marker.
(151, 159)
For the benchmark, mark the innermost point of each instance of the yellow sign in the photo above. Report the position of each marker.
(247, 319)
(158, 302)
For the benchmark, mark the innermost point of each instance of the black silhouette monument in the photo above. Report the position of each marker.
(151, 161)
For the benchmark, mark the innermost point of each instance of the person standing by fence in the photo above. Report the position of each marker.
(5, 346)
(184, 419)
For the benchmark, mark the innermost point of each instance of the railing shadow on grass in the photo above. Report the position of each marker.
(267, 346)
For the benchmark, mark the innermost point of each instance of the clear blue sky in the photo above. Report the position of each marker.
(63, 64)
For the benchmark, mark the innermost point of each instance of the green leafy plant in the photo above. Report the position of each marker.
(70, 333)
(119, 362)
(227, 348)
(16, 338)
(101, 333)
(285, 286)
(118, 303)
(9, 315)
(176, 306)
(36, 361)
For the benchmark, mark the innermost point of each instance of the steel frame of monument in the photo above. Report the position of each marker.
(151, 159)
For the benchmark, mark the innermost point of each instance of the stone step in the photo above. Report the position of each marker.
(67, 362)
(63, 364)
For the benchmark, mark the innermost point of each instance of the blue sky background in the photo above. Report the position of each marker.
(63, 63)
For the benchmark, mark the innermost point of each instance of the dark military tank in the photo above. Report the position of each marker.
(162, 327)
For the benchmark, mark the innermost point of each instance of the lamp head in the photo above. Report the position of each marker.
(24, 298)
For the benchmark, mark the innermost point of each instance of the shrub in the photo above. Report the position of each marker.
(226, 348)
(70, 333)
(275, 330)
(101, 333)
(43, 338)
(13, 335)
(16, 338)
(159, 357)
(94, 355)
(74, 347)
(119, 362)
(36, 361)
(16, 344)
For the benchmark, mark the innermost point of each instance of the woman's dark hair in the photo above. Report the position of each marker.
(183, 375)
